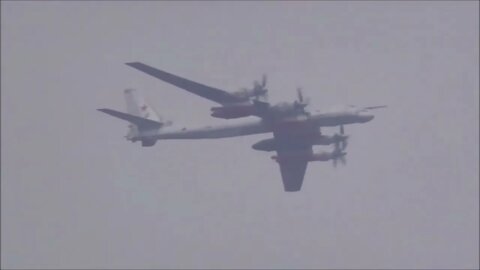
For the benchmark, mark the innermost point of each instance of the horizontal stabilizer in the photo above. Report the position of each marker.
(142, 123)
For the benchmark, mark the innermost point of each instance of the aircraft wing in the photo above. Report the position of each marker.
(211, 93)
(293, 157)
(292, 170)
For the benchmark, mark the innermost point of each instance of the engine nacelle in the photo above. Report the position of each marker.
(322, 156)
(267, 145)
(272, 144)
(148, 142)
(233, 111)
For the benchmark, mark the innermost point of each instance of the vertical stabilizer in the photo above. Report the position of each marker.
(136, 105)
(144, 121)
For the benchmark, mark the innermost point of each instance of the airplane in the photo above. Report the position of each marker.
(294, 135)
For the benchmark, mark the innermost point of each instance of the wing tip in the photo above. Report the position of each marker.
(106, 110)
(133, 64)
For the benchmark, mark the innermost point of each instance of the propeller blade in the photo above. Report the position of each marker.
(337, 146)
(343, 160)
(335, 163)
(336, 149)
(300, 94)
(344, 143)
(264, 80)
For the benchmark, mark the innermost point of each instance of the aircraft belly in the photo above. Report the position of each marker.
(216, 132)
(334, 120)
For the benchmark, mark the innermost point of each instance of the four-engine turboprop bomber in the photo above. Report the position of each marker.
(295, 130)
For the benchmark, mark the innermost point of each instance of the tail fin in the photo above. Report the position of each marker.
(137, 106)
(143, 119)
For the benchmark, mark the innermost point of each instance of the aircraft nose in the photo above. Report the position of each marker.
(367, 117)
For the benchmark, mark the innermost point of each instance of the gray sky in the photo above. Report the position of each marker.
(75, 194)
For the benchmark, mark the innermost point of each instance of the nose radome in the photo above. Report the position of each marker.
(367, 117)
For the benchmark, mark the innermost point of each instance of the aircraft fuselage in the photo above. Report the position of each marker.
(257, 127)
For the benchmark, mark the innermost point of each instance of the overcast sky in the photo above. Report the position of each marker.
(76, 194)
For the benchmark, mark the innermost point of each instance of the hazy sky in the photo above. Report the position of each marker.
(76, 194)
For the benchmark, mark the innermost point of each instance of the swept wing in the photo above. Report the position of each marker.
(208, 92)
(293, 157)
(293, 169)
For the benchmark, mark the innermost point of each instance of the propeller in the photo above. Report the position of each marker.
(300, 94)
(338, 155)
(259, 89)
(260, 85)
(342, 160)
(264, 80)
(345, 138)
(301, 102)
(342, 138)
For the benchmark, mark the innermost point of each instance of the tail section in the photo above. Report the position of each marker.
(144, 121)
(137, 106)
(141, 123)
